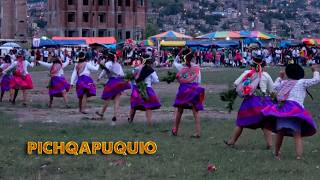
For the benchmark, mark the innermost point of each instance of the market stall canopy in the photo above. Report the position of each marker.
(147, 42)
(221, 35)
(227, 44)
(107, 46)
(237, 35)
(49, 42)
(173, 43)
(170, 36)
(10, 45)
(311, 41)
(199, 43)
(289, 43)
(89, 40)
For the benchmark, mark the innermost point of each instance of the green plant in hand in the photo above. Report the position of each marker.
(229, 96)
(171, 77)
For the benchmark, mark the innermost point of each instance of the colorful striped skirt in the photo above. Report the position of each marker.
(22, 82)
(189, 96)
(113, 87)
(290, 118)
(138, 103)
(249, 114)
(58, 85)
(6, 83)
(85, 85)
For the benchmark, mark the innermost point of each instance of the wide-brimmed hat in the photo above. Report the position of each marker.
(146, 58)
(294, 71)
(187, 55)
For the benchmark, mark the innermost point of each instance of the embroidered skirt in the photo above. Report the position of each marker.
(85, 85)
(58, 85)
(189, 96)
(6, 83)
(138, 103)
(290, 118)
(22, 82)
(249, 114)
(113, 87)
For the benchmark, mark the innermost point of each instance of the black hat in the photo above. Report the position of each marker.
(294, 71)
(81, 57)
(187, 54)
(257, 58)
(146, 59)
(111, 55)
(7, 59)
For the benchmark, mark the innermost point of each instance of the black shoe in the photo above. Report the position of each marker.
(114, 119)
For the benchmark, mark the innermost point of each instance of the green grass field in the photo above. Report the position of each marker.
(177, 157)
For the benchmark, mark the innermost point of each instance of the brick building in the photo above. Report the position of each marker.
(122, 19)
(13, 19)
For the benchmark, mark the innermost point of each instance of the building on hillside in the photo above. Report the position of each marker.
(122, 19)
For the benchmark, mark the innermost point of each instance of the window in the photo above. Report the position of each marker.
(108, 2)
(119, 2)
(71, 33)
(71, 17)
(70, 2)
(102, 32)
(120, 35)
(85, 2)
(85, 32)
(128, 34)
(119, 19)
(101, 2)
(141, 2)
(102, 17)
(85, 17)
(127, 2)
(109, 33)
(92, 2)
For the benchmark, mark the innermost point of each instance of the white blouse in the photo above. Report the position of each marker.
(179, 66)
(298, 92)
(114, 68)
(266, 82)
(49, 65)
(25, 67)
(151, 79)
(90, 66)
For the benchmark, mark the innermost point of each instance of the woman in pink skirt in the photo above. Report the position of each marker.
(58, 86)
(7, 79)
(85, 86)
(21, 78)
(190, 94)
(115, 85)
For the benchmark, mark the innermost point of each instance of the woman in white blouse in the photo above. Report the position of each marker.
(21, 78)
(143, 96)
(115, 85)
(85, 86)
(58, 86)
(289, 117)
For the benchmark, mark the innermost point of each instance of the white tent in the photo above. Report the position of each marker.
(11, 45)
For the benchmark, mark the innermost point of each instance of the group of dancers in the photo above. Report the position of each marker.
(286, 116)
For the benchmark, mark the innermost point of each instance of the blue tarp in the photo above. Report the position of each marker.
(289, 43)
(206, 44)
(50, 42)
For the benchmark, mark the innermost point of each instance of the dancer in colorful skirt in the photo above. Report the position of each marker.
(288, 117)
(143, 96)
(21, 78)
(254, 86)
(58, 86)
(7, 79)
(190, 95)
(115, 85)
(85, 86)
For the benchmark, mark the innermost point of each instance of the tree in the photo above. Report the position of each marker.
(151, 29)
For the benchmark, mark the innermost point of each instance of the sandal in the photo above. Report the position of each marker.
(174, 132)
(83, 112)
(114, 119)
(100, 115)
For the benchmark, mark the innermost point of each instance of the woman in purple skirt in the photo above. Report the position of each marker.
(6, 81)
(143, 97)
(85, 86)
(190, 95)
(254, 86)
(115, 85)
(288, 117)
(58, 85)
